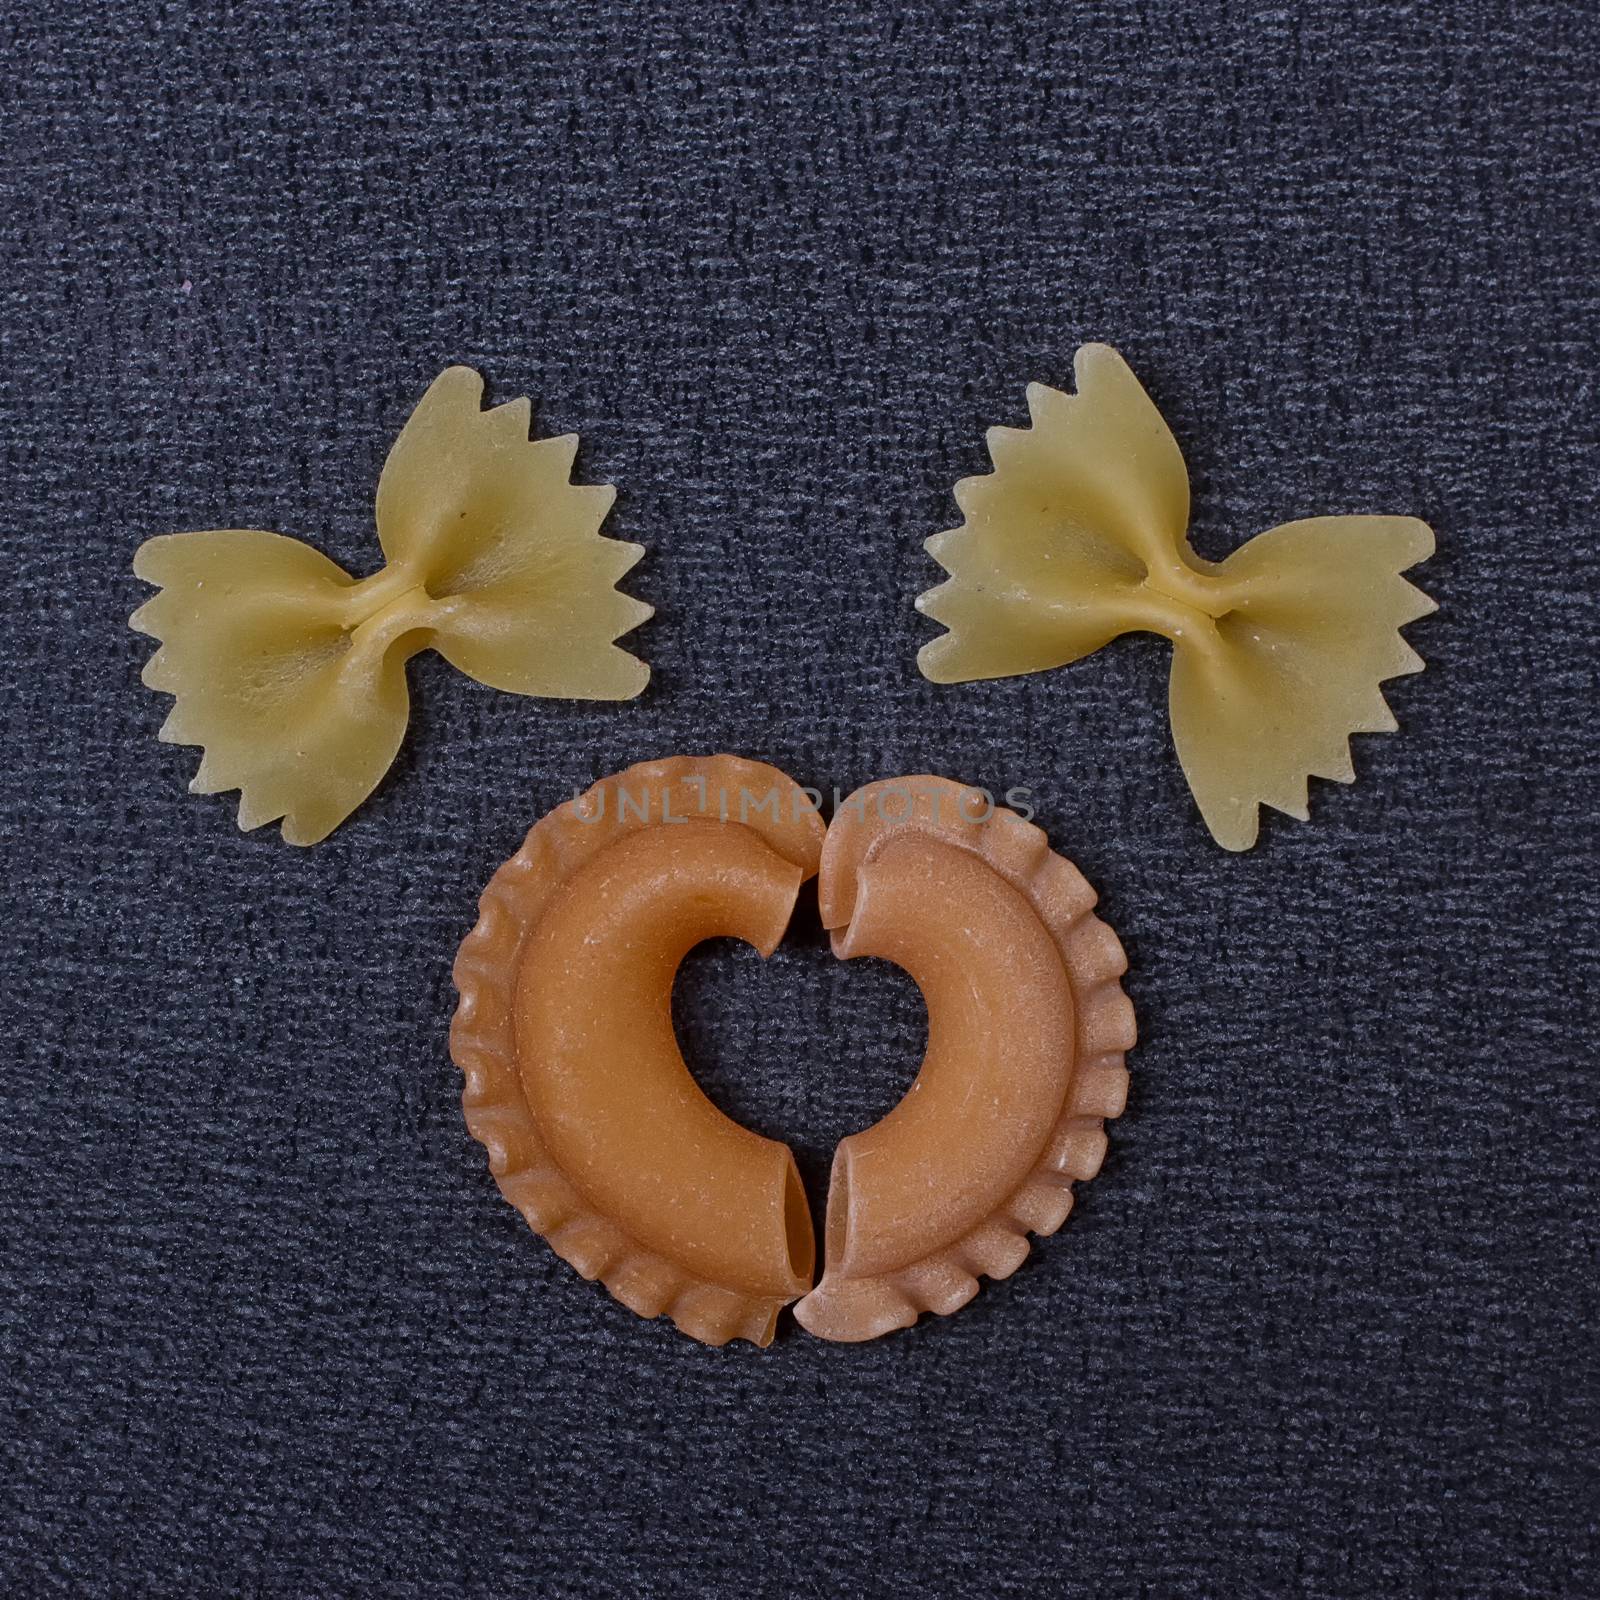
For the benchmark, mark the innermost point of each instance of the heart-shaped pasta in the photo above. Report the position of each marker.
(1080, 534)
(597, 1132)
(291, 673)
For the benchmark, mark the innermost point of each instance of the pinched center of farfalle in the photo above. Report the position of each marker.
(1081, 534)
(291, 673)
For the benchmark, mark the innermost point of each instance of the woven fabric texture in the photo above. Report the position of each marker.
(1325, 1324)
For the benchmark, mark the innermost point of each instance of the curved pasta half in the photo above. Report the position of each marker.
(595, 1129)
(1027, 1027)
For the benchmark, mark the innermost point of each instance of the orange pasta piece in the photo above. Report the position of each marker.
(1027, 1026)
(595, 1128)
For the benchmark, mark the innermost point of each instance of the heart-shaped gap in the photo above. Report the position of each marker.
(803, 1047)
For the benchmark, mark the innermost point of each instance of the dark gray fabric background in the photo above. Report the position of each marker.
(1326, 1323)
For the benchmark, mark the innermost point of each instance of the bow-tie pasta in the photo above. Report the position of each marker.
(1080, 534)
(291, 673)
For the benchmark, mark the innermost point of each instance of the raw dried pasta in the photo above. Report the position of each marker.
(1079, 534)
(291, 673)
(598, 1134)
(596, 1130)
(1027, 1028)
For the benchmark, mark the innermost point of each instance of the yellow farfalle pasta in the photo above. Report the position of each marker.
(1080, 534)
(291, 673)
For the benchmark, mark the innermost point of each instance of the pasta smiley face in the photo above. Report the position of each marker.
(291, 674)
(598, 1134)
(1080, 534)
